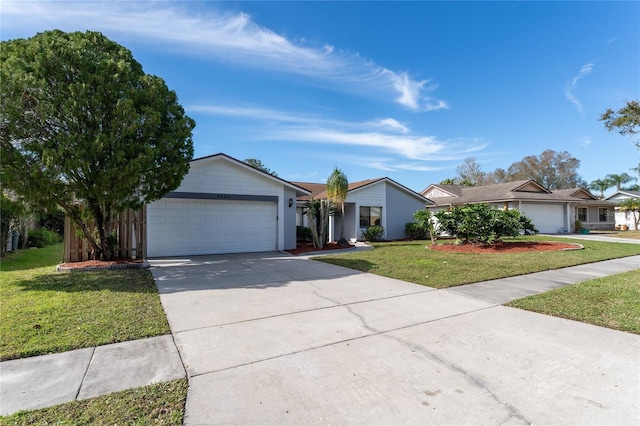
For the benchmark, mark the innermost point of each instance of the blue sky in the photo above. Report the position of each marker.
(406, 90)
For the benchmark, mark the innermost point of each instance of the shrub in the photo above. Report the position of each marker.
(303, 233)
(373, 233)
(42, 237)
(415, 231)
(482, 224)
(53, 221)
(423, 226)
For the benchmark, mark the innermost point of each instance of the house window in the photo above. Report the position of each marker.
(370, 216)
(603, 214)
(582, 214)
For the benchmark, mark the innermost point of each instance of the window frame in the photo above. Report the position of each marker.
(586, 214)
(604, 215)
(369, 216)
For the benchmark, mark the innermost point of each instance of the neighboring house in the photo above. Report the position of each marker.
(623, 217)
(223, 206)
(381, 201)
(550, 211)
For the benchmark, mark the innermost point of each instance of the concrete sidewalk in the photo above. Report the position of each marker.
(44, 381)
(507, 289)
(57, 378)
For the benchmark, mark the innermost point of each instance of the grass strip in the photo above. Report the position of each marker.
(157, 404)
(414, 262)
(44, 311)
(612, 302)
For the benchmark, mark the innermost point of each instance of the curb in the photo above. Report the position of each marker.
(142, 265)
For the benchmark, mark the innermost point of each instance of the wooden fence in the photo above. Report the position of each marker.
(130, 227)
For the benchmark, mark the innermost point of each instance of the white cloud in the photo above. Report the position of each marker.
(216, 35)
(413, 147)
(571, 86)
(391, 124)
(386, 135)
(253, 113)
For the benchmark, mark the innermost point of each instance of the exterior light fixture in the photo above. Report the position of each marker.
(290, 202)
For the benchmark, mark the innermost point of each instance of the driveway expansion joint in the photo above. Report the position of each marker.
(86, 371)
(337, 305)
(375, 332)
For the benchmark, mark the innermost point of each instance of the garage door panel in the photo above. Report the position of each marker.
(189, 227)
(546, 218)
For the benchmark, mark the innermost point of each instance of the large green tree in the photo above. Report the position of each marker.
(625, 121)
(82, 126)
(554, 170)
(337, 189)
(551, 169)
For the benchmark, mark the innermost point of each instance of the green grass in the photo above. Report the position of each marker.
(412, 261)
(44, 311)
(158, 404)
(635, 234)
(612, 302)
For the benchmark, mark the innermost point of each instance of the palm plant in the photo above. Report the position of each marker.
(337, 188)
(632, 205)
(600, 185)
(619, 180)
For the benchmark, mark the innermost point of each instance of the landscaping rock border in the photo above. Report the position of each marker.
(138, 265)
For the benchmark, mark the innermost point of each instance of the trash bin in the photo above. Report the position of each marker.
(15, 236)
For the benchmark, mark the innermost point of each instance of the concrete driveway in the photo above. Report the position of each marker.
(275, 339)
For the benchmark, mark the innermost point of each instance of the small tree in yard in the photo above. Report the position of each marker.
(423, 225)
(482, 224)
(632, 205)
(318, 221)
(337, 189)
(83, 127)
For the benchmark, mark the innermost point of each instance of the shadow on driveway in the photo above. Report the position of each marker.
(244, 270)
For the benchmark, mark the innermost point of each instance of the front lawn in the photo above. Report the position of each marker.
(413, 261)
(44, 311)
(612, 302)
(635, 234)
(157, 404)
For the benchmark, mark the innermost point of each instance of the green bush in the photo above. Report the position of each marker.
(42, 237)
(303, 234)
(53, 221)
(373, 233)
(415, 231)
(482, 224)
(421, 226)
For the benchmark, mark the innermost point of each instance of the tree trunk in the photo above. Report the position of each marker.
(74, 213)
(318, 222)
(342, 241)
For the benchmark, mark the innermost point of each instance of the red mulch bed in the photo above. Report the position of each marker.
(302, 248)
(94, 263)
(506, 247)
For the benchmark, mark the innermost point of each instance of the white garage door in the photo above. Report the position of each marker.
(178, 227)
(548, 218)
